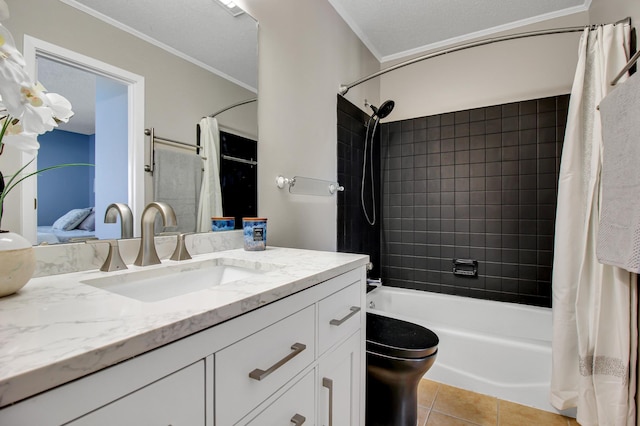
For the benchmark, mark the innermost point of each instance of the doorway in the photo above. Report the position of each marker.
(119, 99)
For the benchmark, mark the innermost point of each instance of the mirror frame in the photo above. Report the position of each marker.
(33, 48)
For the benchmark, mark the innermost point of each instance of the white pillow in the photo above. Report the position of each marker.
(71, 219)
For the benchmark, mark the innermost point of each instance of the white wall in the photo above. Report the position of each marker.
(493, 74)
(177, 93)
(604, 11)
(305, 52)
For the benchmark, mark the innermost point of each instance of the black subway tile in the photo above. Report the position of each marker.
(477, 170)
(461, 143)
(477, 141)
(477, 128)
(493, 140)
(510, 138)
(476, 184)
(433, 121)
(493, 126)
(509, 124)
(447, 132)
(510, 110)
(420, 173)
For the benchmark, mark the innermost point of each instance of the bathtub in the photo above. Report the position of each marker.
(493, 348)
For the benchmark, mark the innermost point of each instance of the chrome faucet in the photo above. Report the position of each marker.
(147, 254)
(126, 218)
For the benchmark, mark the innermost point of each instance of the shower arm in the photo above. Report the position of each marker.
(345, 88)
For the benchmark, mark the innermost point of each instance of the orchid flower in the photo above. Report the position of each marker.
(24, 100)
(14, 135)
(12, 73)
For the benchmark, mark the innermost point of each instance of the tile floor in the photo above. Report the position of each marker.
(443, 405)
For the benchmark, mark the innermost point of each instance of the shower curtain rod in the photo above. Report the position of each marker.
(248, 101)
(345, 88)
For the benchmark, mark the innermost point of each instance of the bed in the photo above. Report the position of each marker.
(46, 234)
(75, 225)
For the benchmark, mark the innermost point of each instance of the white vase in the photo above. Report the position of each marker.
(17, 262)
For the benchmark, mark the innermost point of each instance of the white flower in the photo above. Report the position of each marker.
(39, 112)
(16, 137)
(36, 116)
(60, 107)
(12, 73)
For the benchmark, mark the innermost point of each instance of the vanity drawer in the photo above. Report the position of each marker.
(295, 407)
(339, 315)
(177, 399)
(250, 370)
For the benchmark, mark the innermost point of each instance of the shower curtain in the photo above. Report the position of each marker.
(210, 193)
(594, 305)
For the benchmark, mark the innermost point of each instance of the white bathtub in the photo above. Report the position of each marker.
(494, 348)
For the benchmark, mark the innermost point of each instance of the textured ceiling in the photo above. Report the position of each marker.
(393, 29)
(78, 86)
(200, 31)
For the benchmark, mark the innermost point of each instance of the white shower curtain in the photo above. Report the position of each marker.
(210, 193)
(594, 305)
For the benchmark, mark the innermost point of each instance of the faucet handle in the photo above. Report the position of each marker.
(114, 261)
(181, 252)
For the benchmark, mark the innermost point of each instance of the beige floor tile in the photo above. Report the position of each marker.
(423, 413)
(439, 419)
(512, 414)
(427, 390)
(466, 405)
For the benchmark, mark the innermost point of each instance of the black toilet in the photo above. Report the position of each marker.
(398, 355)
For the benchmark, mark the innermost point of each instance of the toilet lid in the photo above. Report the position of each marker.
(397, 338)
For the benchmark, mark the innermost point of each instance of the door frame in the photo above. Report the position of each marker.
(34, 48)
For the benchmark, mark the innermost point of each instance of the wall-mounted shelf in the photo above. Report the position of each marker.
(308, 186)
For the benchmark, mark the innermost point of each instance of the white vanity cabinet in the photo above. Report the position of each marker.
(297, 360)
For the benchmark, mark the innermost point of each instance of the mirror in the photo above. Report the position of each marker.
(199, 68)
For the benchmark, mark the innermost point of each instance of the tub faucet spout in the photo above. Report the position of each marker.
(147, 254)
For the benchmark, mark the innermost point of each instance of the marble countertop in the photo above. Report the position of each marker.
(57, 329)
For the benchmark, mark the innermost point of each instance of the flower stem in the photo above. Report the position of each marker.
(5, 126)
(13, 182)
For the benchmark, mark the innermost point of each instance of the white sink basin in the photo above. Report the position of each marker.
(174, 280)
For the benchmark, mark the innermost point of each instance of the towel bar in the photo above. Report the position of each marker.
(309, 186)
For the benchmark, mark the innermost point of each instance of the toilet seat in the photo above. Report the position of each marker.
(400, 339)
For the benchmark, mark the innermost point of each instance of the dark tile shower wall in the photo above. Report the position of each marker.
(355, 235)
(478, 184)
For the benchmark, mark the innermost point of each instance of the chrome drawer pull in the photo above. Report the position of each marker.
(258, 374)
(354, 310)
(328, 383)
(298, 419)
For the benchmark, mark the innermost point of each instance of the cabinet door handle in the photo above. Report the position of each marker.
(354, 310)
(297, 420)
(259, 374)
(328, 383)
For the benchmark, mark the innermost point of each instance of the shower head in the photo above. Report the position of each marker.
(384, 110)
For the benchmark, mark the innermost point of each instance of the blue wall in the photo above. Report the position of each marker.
(63, 189)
